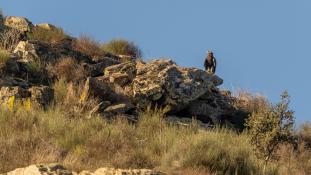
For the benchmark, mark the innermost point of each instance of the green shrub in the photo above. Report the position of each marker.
(34, 67)
(269, 127)
(52, 35)
(123, 48)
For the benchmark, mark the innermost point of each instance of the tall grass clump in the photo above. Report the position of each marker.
(52, 35)
(123, 48)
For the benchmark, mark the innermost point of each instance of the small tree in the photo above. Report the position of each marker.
(270, 126)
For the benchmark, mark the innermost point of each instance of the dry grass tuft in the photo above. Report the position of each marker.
(69, 69)
(87, 46)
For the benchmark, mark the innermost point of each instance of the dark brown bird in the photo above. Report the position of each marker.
(210, 63)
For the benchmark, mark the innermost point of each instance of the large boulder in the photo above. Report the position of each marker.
(19, 23)
(26, 50)
(164, 82)
(159, 82)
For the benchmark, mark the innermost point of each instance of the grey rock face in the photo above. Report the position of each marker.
(19, 23)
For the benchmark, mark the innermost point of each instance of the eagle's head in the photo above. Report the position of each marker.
(209, 52)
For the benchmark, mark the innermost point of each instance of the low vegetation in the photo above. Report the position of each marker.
(82, 143)
(68, 134)
(123, 48)
(52, 35)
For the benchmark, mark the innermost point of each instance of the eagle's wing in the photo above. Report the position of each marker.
(214, 62)
(205, 63)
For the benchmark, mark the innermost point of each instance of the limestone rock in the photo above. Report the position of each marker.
(19, 23)
(26, 50)
(46, 26)
(97, 69)
(118, 108)
(42, 95)
(121, 74)
(17, 92)
(171, 84)
(112, 171)
(51, 169)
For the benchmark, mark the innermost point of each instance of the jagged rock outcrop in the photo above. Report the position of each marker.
(56, 169)
(188, 92)
(19, 23)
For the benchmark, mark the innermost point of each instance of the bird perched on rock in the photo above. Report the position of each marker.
(210, 63)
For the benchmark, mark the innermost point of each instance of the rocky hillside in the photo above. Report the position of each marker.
(121, 86)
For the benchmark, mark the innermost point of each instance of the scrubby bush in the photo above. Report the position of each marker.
(123, 48)
(52, 35)
(87, 46)
(34, 67)
(9, 38)
(269, 127)
(67, 68)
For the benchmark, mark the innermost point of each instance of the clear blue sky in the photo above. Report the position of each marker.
(261, 46)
